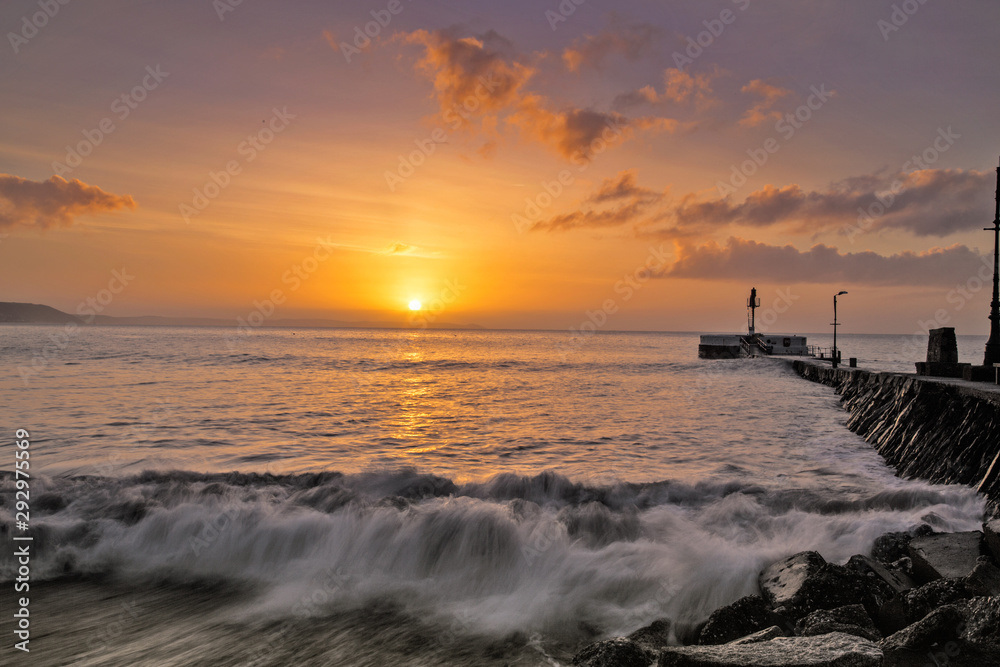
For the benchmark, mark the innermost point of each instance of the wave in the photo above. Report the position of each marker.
(539, 553)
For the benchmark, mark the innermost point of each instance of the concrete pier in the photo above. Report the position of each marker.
(943, 430)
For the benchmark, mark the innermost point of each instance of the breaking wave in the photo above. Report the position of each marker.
(512, 553)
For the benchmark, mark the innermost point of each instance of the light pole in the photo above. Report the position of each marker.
(993, 344)
(835, 325)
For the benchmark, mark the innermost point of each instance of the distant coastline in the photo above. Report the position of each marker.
(33, 313)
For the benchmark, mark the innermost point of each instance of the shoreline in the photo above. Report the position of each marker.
(917, 598)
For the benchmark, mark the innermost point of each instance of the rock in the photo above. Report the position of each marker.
(805, 582)
(782, 582)
(653, 636)
(833, 650)
(768, 634)
(912, 606)
(897, 580)
(991, 533)
(939, 627)
(852, 620)
(983, 621)
(984, 580)
(904, 565)
(618, 652)
(945, 556)
(964, 634)
(743, 617)
(891, 547)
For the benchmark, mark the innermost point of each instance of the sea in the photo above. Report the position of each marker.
(417, 497)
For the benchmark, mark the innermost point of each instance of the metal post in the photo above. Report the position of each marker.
(993, 344)
(835, 325)
(834, 330)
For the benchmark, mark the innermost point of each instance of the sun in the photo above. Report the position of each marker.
(415, 305)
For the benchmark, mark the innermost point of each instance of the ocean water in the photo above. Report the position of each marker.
(372, 497)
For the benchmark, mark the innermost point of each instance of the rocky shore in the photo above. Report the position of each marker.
(918, 598)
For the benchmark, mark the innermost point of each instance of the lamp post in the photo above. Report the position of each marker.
(835, 325)
(993, 344)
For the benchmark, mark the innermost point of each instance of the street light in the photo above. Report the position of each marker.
(835, 325)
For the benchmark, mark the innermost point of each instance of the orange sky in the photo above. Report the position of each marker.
(515, 169)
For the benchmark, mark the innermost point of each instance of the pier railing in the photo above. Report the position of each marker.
(754, 345)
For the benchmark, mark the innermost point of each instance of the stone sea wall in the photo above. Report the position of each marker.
(943, 431)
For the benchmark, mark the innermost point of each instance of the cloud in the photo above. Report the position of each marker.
(761, 112)
(592, 219)
(480, 79)
(53, 203)
(644, 95)
(576, 134)
(623, 186)
(629, 200)
(400, 249)
(932, 202)
(470, 70)
(927, 203)
(742, 259)
(679, 87)
(590, 50)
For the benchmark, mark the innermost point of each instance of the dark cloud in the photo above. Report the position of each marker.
(53, 203)
(576, 134)
(742, 259)
(932, 202)
(928, 203)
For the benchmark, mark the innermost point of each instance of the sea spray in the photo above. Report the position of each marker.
(508, 554)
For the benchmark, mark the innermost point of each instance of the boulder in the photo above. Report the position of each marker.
(984, 580)
(910, 607)
(768, 634)
(964, 634)
(743, 617)
(781, 583)
(833, 650)
(653, 636)
(891, 547)
(983, 621)
(945, 555)
(618, 652)
(897, 580)
(991, 534)
(805, 582)
(938, 627)
(851, 620)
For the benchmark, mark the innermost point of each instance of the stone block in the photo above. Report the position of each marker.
(945, 556)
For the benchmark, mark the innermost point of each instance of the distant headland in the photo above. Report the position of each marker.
(33, 313)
